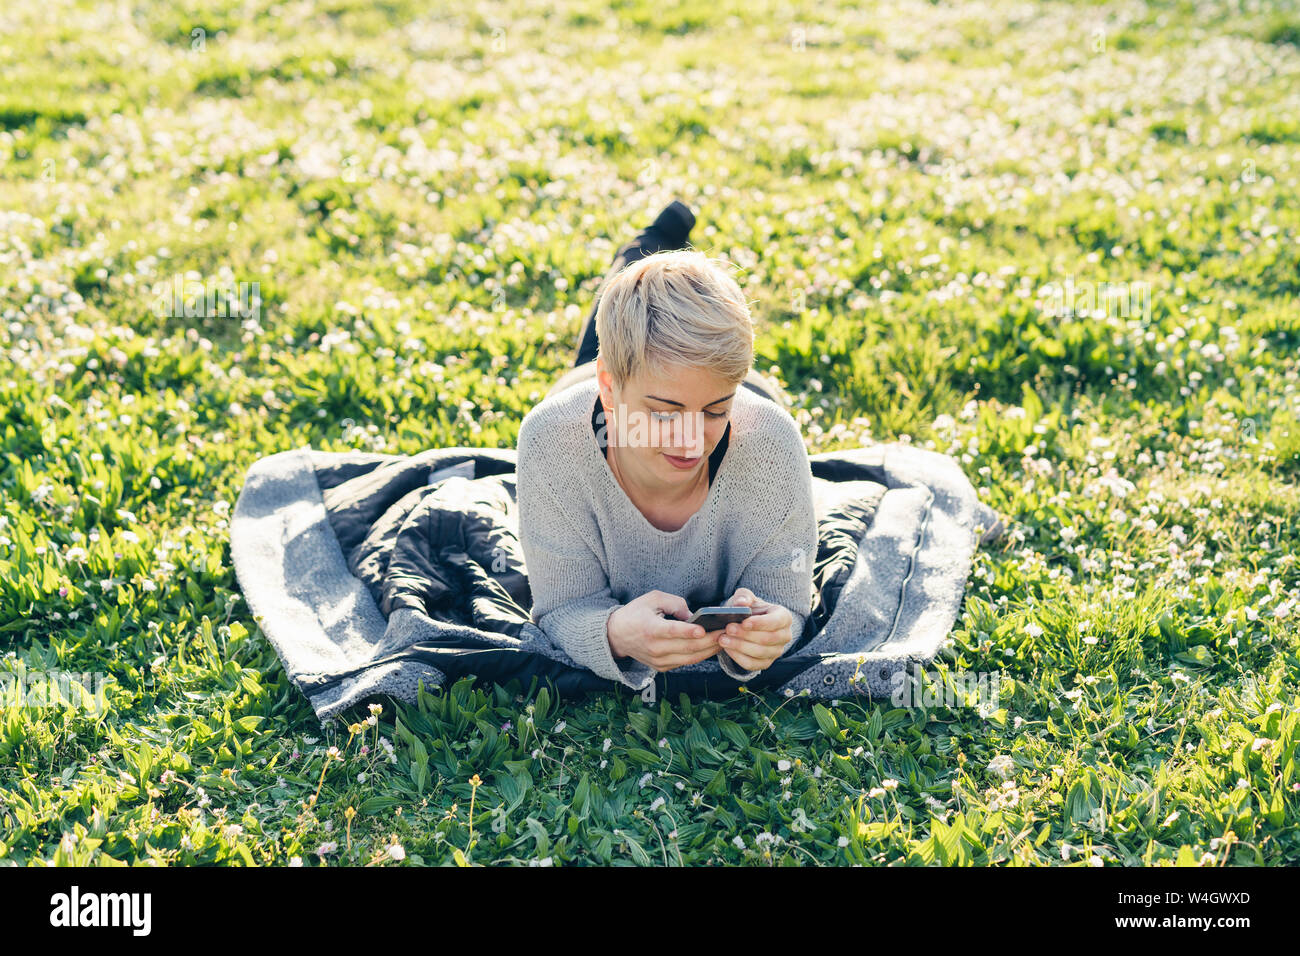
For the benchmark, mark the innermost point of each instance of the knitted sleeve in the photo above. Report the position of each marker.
(781, 572)
(572, 600)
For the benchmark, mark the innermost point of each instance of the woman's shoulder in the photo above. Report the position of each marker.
(554, 427)
(765, 432)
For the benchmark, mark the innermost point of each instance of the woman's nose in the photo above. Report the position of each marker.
(688, 434)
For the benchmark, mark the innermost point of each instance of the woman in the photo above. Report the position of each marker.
(650, 483)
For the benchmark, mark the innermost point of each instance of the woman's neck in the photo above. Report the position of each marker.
(650, 488)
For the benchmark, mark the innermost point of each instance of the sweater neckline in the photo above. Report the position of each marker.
(629, 505)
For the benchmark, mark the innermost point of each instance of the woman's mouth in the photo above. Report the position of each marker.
(682, 463)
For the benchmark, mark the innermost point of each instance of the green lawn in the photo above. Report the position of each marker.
(1057, 241)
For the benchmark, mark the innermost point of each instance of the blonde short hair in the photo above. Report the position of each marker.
(675, 307)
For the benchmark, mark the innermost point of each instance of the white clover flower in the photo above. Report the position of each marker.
(397, 852)
(843, 841)
(1003, 766)
(605, 748)
(1033, 630)
(739, 842)
(656, 804)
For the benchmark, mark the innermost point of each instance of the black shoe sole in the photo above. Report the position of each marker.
(675, 223)
(670, 231)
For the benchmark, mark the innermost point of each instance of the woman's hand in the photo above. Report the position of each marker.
(640, 630)
(758, 640)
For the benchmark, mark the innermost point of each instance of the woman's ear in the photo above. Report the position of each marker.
(606, 385)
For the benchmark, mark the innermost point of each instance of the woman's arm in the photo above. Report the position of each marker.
(781, 572)
(572, 600)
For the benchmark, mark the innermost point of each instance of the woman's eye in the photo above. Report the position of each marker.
(671, 416)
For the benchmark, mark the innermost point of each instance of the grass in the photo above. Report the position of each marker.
(427, 201)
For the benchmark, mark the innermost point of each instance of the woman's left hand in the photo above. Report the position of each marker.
(758, 640)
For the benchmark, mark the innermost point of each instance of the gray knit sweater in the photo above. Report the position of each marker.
(589, 550)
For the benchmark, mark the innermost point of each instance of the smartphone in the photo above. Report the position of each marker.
(716, 618)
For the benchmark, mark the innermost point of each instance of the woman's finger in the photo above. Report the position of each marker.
(766, 651)
(687, 642)
(680, 630)
(764, 632)
(746, 661)
(755, 639)
(771, 620)
(672, 661)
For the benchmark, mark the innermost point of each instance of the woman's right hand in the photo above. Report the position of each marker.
(653, 630)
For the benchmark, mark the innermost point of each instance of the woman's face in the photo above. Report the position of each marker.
(666, 426)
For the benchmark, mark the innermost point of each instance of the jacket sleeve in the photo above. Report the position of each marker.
(781, 572)
(572, 601)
